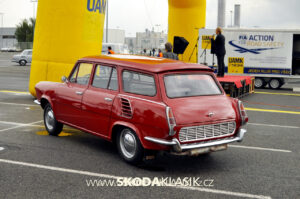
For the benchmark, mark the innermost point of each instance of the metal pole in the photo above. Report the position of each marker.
(33, 25)
(2, 29)
(106, 21)
(231, 17)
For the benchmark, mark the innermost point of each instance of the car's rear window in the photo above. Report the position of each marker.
(188, 85)
(138, 83)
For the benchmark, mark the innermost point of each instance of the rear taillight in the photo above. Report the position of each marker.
(243, 113)
(171, 120)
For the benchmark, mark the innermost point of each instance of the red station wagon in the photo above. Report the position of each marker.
(144, 104)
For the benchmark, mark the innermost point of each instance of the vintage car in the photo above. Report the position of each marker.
(144, 104)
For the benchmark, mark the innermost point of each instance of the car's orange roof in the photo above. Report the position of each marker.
(150, 64)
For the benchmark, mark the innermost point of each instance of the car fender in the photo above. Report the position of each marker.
(129, 125)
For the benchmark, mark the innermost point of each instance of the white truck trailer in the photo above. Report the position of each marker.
(271, 56)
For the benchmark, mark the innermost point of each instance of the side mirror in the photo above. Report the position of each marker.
(64, 79)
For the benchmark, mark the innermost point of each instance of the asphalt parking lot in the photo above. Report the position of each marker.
(34, 165)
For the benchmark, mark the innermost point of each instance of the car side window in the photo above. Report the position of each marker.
(82, 73)
(138, 83)
(105, 77)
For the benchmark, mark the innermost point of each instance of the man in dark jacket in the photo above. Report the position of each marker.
(169, 54)
(219, 49)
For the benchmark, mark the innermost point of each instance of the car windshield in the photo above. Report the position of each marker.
(188, 85)
(26, 52)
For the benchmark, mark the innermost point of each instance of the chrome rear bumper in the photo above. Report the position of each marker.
(183, 147)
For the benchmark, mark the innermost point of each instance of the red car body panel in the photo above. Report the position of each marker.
(91, 111)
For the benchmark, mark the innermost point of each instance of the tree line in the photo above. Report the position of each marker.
(25, 30)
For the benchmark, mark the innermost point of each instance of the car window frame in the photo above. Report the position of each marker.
(191, 73)
(105, 65)
(75, 68)
(144, 73)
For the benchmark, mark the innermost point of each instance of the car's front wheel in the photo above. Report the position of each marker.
(129, 146)
(52, 125)
(22, 62)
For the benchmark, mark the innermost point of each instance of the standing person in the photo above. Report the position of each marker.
(110, 51)
(153, 51)
(169, 54)
(160, 54)
(219, 50)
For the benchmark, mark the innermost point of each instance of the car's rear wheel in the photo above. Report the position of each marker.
(129, 146)
(22, 62)
(52, 125)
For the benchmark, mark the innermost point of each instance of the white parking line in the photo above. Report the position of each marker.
(17, 104)
(21, 125)
(18, 124)
(273, 125)
(260, 148)
(1, 148)
(100, 175)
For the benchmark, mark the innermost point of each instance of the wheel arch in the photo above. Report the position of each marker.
(44, 101)
(117, 126)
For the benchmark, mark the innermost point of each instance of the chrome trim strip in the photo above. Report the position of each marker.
(154, 102)
(160, 141)
(37, 102)
(178, 147)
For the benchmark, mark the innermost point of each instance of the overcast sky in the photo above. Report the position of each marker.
(137, 15)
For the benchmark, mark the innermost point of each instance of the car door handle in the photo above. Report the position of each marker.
(79, 92)
(108, 99)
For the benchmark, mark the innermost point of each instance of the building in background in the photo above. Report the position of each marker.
(7, 38)
(237, 15)
(131, 43)
(150, 39)
(143, 40)
(221, 13)
(114, 36)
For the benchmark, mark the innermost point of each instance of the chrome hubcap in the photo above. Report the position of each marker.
(128, 143)
(274, 83)
(258, 83)
(49, 118)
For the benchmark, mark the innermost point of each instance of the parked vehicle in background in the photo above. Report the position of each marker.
(116, 47)
(144, 104)
(9, 49)
(272, 56)
(12, 49)
(4, 49)
(23, 58)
